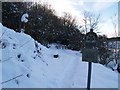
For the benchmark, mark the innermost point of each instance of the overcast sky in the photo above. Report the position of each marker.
(107, 9)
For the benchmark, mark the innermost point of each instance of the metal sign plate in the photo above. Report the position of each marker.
(90, 55)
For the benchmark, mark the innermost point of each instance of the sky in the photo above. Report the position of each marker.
(107, 9)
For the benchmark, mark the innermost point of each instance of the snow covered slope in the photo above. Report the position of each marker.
(28, 64)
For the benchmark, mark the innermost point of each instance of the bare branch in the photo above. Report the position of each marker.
(91, 20)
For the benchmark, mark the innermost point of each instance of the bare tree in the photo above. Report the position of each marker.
(114, 22)
(91, 20)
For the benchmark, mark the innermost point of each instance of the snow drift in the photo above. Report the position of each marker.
(28, 64)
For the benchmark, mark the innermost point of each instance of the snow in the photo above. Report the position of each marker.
(0, 57)
(28, 64)
(24, 18)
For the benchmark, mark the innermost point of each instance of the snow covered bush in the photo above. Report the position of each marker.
(12, 13)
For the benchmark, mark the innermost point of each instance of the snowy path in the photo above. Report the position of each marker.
(68, 74)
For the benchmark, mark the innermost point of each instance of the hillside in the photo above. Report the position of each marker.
(28, 64)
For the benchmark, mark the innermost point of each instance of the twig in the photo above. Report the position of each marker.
(25, 43)
(3, 33)
(7, 59)
(11, 79)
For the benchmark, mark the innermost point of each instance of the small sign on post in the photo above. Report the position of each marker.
(90, 53)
